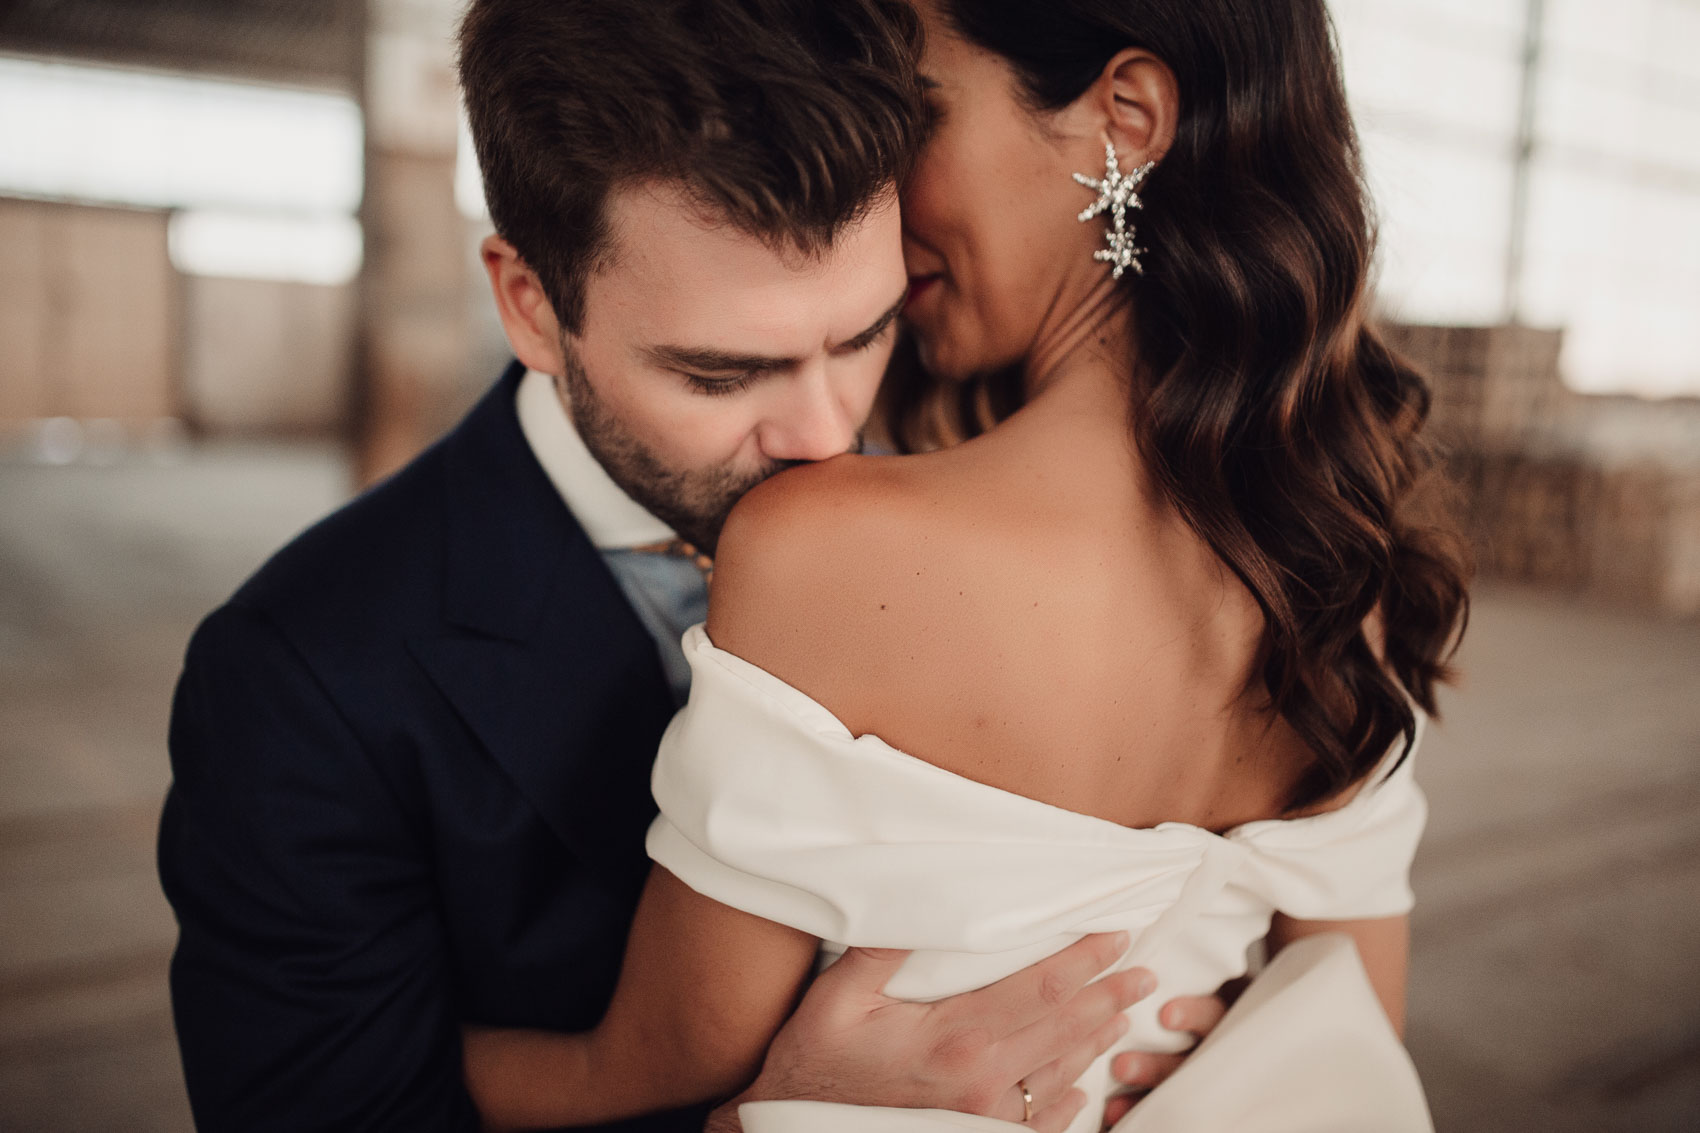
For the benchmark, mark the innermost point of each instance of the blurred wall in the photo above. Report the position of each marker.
(416, 339)
(88, 313)
(264, 356)
(1578, 493)
(242, 108)
(95, 322)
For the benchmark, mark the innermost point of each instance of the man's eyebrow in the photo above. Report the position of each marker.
(696, 359)
(706, 360)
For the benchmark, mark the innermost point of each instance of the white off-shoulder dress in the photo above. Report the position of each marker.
(770, 805)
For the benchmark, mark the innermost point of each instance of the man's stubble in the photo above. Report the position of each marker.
(693, 503)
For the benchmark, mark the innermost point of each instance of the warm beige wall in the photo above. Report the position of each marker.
(88, 313)
(95, 322)
(267, 357)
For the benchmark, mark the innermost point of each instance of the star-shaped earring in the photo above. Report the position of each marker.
(1116, 194)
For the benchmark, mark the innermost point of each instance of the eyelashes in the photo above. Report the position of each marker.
(725, 387)
(720, 387)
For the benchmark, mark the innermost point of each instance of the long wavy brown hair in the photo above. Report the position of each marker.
(1276, 419)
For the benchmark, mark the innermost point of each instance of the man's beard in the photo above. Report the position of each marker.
(694, 504)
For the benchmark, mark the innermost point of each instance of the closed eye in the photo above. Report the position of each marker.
(878, 331)
(721, 387)
(743, 370)
(870, 338)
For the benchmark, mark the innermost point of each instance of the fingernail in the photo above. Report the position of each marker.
(1146, 985)
(1122, 940)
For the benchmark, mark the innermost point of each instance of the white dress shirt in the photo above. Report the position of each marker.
(667, 592)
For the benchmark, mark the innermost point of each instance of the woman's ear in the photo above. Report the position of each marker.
(1140, 100)
(526, 313)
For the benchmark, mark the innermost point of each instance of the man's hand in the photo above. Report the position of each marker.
(1141, 1072)
(1043, 1026)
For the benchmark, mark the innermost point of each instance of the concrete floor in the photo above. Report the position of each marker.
(1557, 932)
(1553, 987)
(103, 573)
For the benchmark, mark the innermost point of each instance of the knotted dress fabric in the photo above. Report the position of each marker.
(770, 805)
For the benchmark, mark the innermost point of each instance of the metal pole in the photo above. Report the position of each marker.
(1533, 21)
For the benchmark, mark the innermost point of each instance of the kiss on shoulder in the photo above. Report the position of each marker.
(928, 606)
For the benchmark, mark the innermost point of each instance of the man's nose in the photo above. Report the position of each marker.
(813, 422)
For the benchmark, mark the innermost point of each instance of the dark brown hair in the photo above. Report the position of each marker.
(1277, 421)
(787, 117)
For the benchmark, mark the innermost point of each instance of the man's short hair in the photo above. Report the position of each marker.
(788, 118)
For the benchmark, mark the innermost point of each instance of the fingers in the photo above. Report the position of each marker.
(1059, 1034)
(1050, 1083)
(1055, 1118)
(1017, 1002)
(863, 972)
(1143, 1070)
(1194, 1014)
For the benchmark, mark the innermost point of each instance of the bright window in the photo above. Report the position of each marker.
(263, 161)
(1612, 222)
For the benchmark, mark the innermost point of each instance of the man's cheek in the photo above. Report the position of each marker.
(727, 440)
(679, 430)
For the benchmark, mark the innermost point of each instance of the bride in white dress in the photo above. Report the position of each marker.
(1151, 654)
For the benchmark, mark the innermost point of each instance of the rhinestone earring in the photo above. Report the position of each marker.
(1116, 194)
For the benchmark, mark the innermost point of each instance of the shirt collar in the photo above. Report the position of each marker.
(612, 519)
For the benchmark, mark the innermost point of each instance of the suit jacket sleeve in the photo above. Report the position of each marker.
(311, 984)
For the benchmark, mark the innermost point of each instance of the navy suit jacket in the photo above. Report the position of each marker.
(411, 762)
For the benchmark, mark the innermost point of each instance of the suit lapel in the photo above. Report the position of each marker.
(539, 652)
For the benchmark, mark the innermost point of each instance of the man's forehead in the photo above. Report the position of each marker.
(642, 208)
(674, 271)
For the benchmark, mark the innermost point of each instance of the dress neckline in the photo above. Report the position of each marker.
(821, 718)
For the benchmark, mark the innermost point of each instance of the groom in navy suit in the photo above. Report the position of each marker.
(412, 753)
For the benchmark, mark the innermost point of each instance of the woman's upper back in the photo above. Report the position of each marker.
(1022, 610)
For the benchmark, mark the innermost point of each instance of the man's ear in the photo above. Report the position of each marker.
(527, 316)
(1139, 99)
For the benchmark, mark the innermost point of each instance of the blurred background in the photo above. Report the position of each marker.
(238, 280)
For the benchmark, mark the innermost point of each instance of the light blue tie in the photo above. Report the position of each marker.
(668, 587)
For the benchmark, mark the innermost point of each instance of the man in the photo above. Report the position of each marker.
(412, 753)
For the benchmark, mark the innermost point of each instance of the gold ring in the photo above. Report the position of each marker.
(1026, 1101)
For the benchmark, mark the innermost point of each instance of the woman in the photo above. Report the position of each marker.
(1149, 654)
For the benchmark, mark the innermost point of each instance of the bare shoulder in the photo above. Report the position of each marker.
(808, 560)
